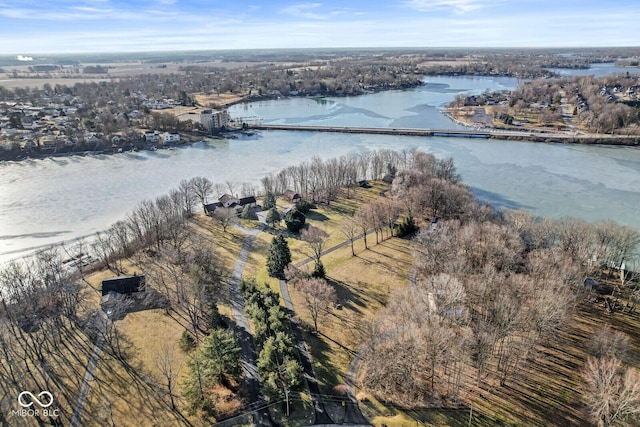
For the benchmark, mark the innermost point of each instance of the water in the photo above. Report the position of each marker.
(50, 200)
(598, 69)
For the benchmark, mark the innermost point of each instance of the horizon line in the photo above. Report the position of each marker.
(335, 48)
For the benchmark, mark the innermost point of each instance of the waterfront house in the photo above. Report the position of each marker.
(291, 196)
(123, 284)
(251, 201)
(229, 200)
(151, 136)
(210, 208)
(170, 138)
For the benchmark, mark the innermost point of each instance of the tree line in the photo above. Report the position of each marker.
(486, 289)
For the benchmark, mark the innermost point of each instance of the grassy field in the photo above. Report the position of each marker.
(144, 336)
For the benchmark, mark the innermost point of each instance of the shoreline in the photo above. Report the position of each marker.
(549, 136)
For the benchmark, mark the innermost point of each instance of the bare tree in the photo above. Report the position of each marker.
(188, 197)
(224, 217)
(608, 343)
(612, 394)
(202, 187)
(349, 228)
(167, 363)
(363, 218)
(316, 238)
(319, 297)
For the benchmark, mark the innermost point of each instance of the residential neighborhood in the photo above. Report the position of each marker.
(56, 122)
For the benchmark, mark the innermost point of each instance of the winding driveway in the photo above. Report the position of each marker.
(261, 417)
(81, 401)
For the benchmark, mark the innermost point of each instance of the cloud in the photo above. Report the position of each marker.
(305, 10)
(24, 58)
(458, 6)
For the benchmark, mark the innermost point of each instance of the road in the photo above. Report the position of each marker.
(321, 415)
(519, 134)
(261, 417)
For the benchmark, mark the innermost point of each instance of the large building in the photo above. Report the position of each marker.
(214, 120)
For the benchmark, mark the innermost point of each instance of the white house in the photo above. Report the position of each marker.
(170, 138)
(151, 136)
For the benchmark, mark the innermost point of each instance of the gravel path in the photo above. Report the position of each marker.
(81, 401)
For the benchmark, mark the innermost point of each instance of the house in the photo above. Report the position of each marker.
(229, 200)
(123, 284)
(388, 179)
(95, 140)
(251, 201)
(170, 138)
(592, 284)
(211, 208)
(291, 196)
(151, 136)
(49, 142)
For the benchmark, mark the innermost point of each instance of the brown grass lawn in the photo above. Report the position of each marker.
(219, 100)
(134, 400)
(363, 284)
(545, 392)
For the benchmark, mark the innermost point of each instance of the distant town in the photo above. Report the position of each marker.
(48, 109)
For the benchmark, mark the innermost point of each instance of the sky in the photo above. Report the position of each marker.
(70, 26)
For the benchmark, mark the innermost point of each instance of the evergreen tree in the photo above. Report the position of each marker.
(294, 220)
(218, 357)
(221, 355)
(248, 213)
(279, 256)
(269, 201)
(273, 217)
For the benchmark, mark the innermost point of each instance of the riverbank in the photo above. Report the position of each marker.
(483, 123)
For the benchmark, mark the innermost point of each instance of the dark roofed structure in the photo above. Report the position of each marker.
(123, 284)
(211, 208)
(228, 200)
(248, 201)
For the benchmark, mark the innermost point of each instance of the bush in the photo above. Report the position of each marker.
(187, 342)
(406, 227)
(294, 220)
(319, 271)
(304, 206)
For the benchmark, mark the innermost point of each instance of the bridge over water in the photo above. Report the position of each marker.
(526, 135)
(376, 131)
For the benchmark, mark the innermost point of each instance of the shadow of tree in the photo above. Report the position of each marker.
(316, 216)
